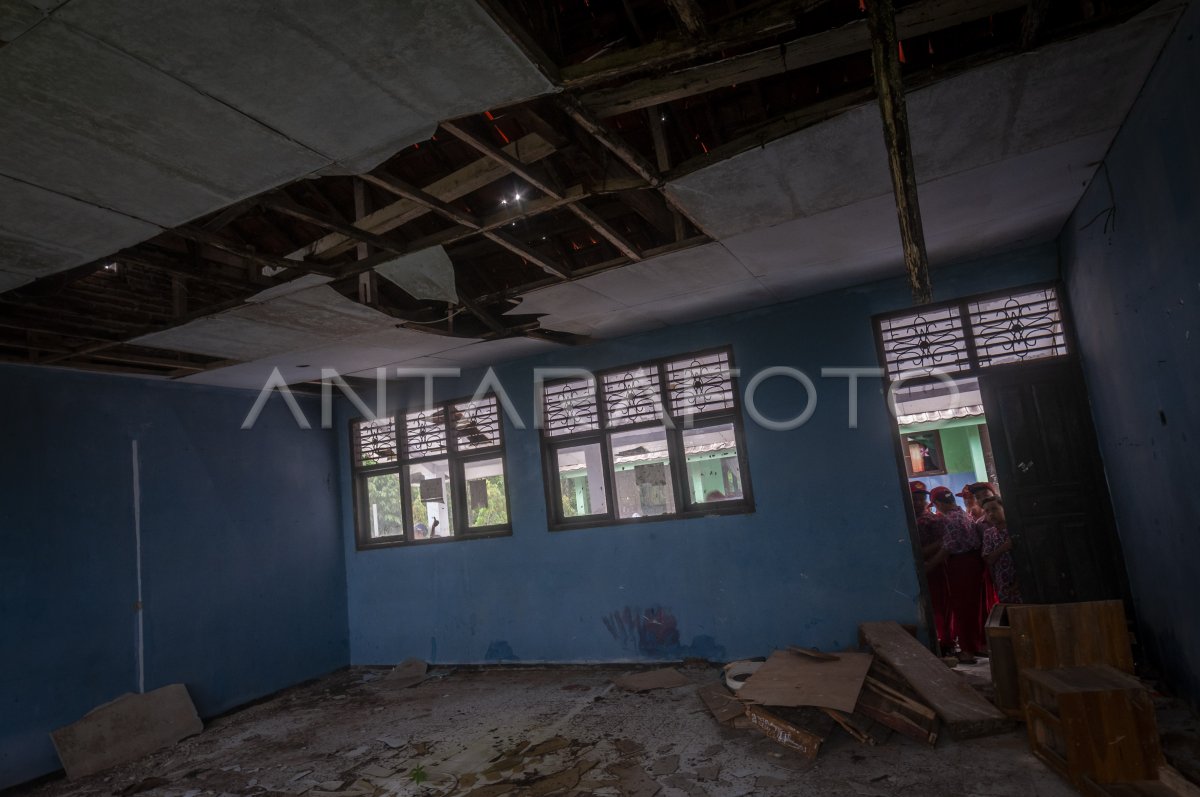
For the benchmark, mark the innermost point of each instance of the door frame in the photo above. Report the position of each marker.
(1070, 358)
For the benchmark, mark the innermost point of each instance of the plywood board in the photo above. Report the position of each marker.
(126, 729)
(963, 711)
(720, 701)
(789, 678)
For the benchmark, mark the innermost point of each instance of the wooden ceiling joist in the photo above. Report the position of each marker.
(920, 18)
(890, 90)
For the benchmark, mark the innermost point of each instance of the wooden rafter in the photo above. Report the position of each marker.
(920, 18)
(890, 90)
(690, 15)
(398, 187)
(526, 173)
(199, 235)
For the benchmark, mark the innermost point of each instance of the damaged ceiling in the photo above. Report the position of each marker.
(210, 193)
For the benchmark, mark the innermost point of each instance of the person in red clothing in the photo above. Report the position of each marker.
(964, 572)
(929, 535)
(970, 505)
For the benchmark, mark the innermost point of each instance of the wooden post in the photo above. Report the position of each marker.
(881, 19)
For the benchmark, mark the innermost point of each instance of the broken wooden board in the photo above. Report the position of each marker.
(721, 702)
(794, 679)
(803, 730)
(666, 678)
(963, 712)
(126, 729)
(812, 653)
(895, 706)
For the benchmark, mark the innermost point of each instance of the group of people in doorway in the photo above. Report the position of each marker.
(967, 554)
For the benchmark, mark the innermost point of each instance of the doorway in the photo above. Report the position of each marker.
(989, 389)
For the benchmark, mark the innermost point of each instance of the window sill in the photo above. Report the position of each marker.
(400, 543)
(739, 509)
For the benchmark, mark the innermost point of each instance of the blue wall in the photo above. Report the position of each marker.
(828, 546)
(244, 579)
(1135, 290)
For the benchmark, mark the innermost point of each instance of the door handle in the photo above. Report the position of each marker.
(1025, 467)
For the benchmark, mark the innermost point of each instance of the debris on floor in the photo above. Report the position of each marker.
(666, 678)
(409, 672)
(126, 729)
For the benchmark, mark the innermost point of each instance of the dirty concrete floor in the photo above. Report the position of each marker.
(551, 731)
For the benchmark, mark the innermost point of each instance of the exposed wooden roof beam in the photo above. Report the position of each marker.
(398, 187)
(890, 89)
(284, 205)
(605, 229)
(499, 156)
(517, 248)
(610, 140)
(528, 149)
(773, 21)
(922, 17)
(192, 233)
(690, 15)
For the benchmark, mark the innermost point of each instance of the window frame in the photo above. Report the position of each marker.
(685, 507)
(457, 461)
(973, 368)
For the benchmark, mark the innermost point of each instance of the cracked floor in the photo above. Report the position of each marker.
(530, 731)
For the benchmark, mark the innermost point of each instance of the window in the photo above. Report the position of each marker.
(966, 336)
(434, 474)
(656, 440)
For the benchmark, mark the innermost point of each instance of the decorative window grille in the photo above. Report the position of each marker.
(925, 342)
(632, 397)
(570, 407)
(375, 441)
(477, 424)
(1017, 328)
(425, 433)
(700, 384)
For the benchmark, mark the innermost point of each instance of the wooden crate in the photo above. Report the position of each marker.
(1092, 722)
(1003, 662)
(1052, 635)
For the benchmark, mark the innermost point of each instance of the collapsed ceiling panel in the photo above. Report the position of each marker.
(373, 76)
(1004, 109)
(91, 122)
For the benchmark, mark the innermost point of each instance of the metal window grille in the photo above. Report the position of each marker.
(633, 396)
(570, 407)
(1018, 328)
(477, 424)
(425, 433)
(375, 441)
(925, 342)
(700, 384)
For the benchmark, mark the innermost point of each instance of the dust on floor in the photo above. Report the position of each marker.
(531, 731)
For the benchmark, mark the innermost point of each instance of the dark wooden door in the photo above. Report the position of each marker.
(1055, 495)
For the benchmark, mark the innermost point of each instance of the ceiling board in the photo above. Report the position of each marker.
(1007, 108)
(91, 122)
(372, 76)
(42, 232)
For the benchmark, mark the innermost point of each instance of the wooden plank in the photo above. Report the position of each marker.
(794, 679)
(287, 207)
(398, 187)
(501, 157)
(963, 712)
(896, 710)
(1002, 661)
(889, 90)
(805, 740)
(917, 19)
(516, 247)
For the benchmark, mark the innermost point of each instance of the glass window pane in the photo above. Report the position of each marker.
(714, 473)
(581, 480)
(486, 504)
(642, 473)
(384, 510)
(429, 484)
